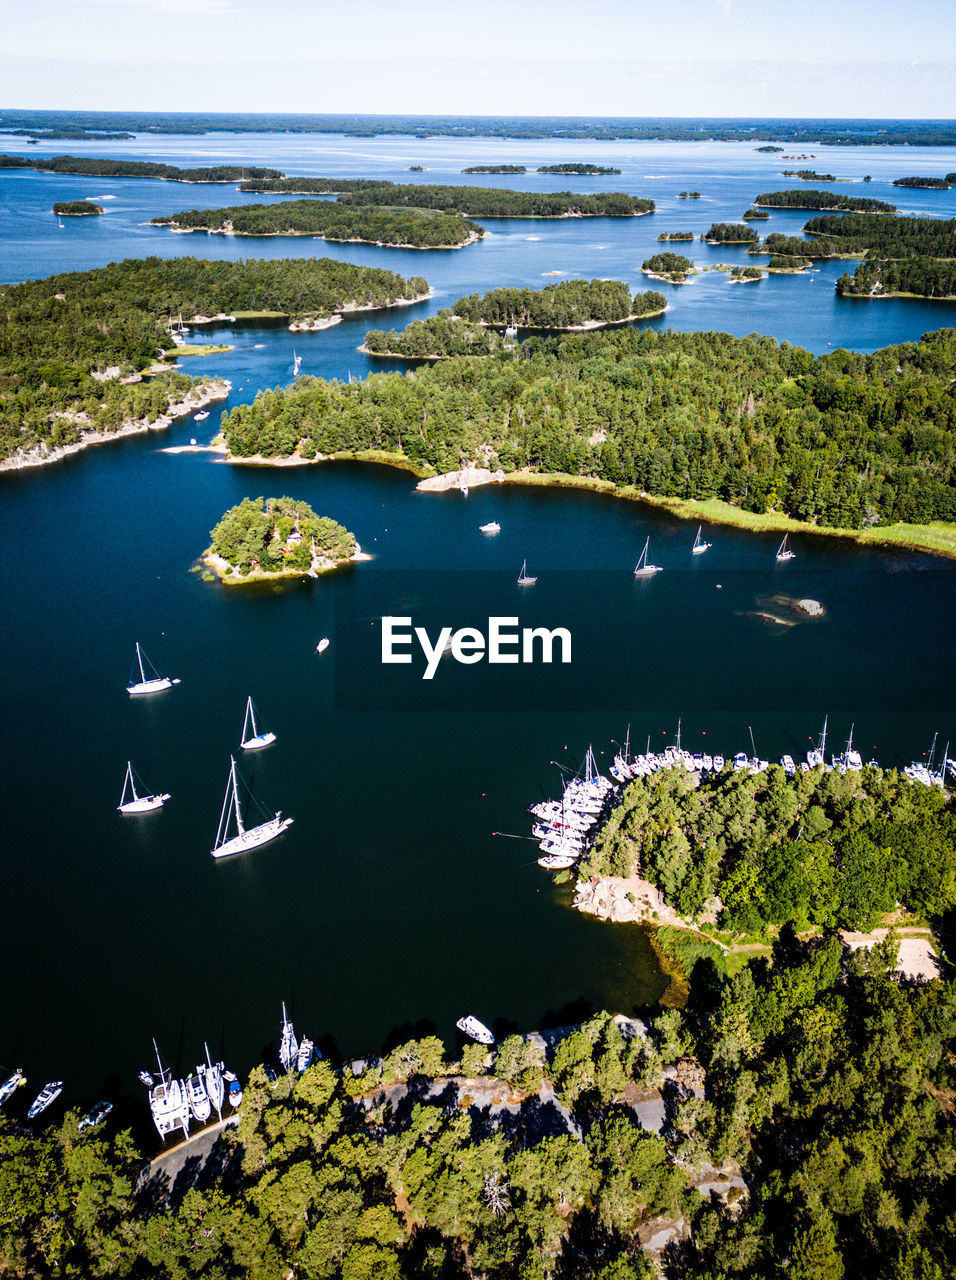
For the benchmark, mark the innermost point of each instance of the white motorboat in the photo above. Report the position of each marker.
(289, 1046)
(235, 1088)
(643, 569)
(198, 1098)
(700, 546)
(305, 1055)
(138, 803)
(11, 1085)
(47, 1095)
(464, 490)
(96, 1115)
(212, 1078)
(322, 645)
(789, 767)
(783, 551)
(201, 417)
(153, 684)
(523, 579)
(491, 527)
(741, 762)
(253, 736)
(718, 763)
(470, 1026)
(246, 837)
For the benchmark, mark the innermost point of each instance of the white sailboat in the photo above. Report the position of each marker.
(700, 546)
(783, 551)
(523, 579)
(296, 363)
(817, 755)
(288, 1046)
(256, 739)
(168, 1102)
(245, 838)
(212, 1076)
(138, 803)
(643, 569)
(153, 684)
(471, 1026)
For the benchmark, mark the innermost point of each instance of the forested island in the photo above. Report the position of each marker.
(77, 208)
(796, 199)
(809, 175)
(688, 195)
(846, 441)
(755, 215)
(582, 170)
(264, 538)
(91, 167)
(729, 233)
(797, 249)
(907, 277)
(672, 267)
(78, 350)
(745, 275)
(326, 220)
(471, 202)
(470, 327)
(928, 184)
(896, 237)
(676, 235)
(496, 168)
(769, 149)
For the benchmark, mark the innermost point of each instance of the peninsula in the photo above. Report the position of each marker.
(92, 167)
(263, 539)
(325, 220)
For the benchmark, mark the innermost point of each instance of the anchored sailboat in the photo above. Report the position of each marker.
(817, 755)
(244, 838)
(296, 362)
(289, 1046)
(784, 552)
(256, 739)
(700, 546)
(523, 579)
(644, 570)
(212, 1075)
(138, 803)
(153, 684)
(168, 1102)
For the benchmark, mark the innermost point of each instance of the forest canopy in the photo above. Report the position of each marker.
(801, 199)
(276, 535)
(90, 166)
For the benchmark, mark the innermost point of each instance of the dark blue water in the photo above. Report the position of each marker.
(390, 903)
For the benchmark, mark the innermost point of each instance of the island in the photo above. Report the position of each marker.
(263, 539)
(84, 355)
(672, 267)
(729, 233)
(471, 327)
(688, 195)
(580, 170)
(797, 199)
(745, 275)
(903, 256)
(928, 184)
(608, 410)
(755, 215)
(495, 168)
(676, 235)
(416, 168)
(77, 208)
(818, 248)
(325, 220)
(470, 202)
(89, 166)
(811, 175)
(768, 148)
(930, 278)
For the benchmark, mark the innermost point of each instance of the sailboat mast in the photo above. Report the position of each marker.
(678, 736)
(235, 795)
(139, 657)
(823, 737)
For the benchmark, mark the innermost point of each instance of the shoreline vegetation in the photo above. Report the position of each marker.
(758, 419)
(86, 352)
(325, 220)
(270, 539)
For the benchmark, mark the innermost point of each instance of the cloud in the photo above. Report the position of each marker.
(173, 6)
(725, 6)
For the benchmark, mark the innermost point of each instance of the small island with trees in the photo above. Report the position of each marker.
(676, 235)
(811, 175)
(745, 275)
(688, 195)
(928, 184)
(579, 170)
(674, 268)
(261, 539)
(495, 168)
(755, 215)
(729, 233)
(325, 220)
(77, 209)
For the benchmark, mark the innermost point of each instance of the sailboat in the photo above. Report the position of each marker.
(168, 1102)
(296, 362)
(850, 759)
(256, 739)
(511, 330)
(289, 1046)
(817, 754)
(523, 579)
(154, 684)
(138, 803)
(644, 570)
(700, 546)
(244, 838)
(783, 551)
(212, 1076)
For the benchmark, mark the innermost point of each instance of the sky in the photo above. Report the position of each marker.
(495, 57)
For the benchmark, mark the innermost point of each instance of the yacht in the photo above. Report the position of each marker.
(197, 1097)
(235, 1088)
(137, 803)
(168, 1102)
(289, 1046)
(789, 767)
(470, 1026)
(47, 1095)
(557, 861)
(11, 1085)
(783, 551)
(245, 837)
(817, 755)
(305, 1055)
(643, 569)
(96, 1115)
(253, 735)
(213, 1080)
(523, 579)
(741, 762)
(700, 546)
(491, 527)
(154, 683)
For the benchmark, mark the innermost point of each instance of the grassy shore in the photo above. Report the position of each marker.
(198, 349)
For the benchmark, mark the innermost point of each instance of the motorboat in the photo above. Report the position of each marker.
(470, 1026)
(198, 1098)
(47, 1095)
(491, 527)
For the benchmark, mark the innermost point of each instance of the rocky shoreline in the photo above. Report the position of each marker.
(197, 398)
